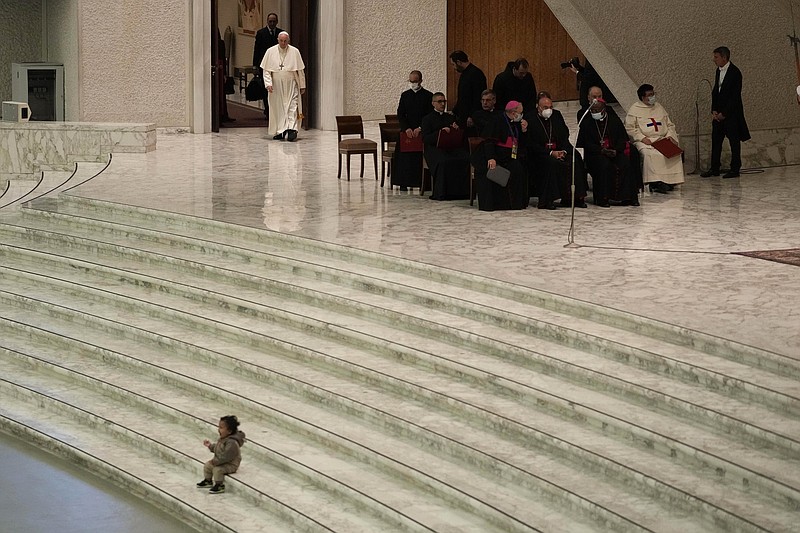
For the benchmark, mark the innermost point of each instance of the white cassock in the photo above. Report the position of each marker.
(284, 70)
(653, 122)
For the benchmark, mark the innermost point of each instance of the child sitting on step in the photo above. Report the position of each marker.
(227, 454)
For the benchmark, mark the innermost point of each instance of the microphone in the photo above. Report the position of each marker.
(571, 233)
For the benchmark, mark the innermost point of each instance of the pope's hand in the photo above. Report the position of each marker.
(269, 88)
(303, 90)
(492, 163)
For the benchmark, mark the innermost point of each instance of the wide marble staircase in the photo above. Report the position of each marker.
(377, 394)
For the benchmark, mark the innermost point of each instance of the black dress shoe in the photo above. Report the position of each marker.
(730, 174)
(709, 173)
(278, 136)
(602, 204)
(292, 135)
(551, 207)
(635, 203)
(581, 204)
(658, 187)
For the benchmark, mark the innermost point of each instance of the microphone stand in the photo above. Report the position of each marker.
(697, 125)
(571, 234)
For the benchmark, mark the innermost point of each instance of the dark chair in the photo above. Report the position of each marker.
(474, 142)
(353, 125)
(390, 136)
(425, 173)
(392, 119)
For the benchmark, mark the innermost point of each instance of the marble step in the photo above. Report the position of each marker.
(90, 442)
(737, 418)
(414, 456)
(268, 479)
(328, 301)
(734, 379)
(651, 460)
(508, 303)
(319, 252)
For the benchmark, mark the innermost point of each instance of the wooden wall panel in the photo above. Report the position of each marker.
(494, 33)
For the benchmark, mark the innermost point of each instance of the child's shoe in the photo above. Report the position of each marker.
(218, 488)
(205, 483)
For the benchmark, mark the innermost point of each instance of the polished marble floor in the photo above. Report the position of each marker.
(670, 259)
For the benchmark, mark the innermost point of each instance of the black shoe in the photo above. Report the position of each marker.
(205, 483)
(709, 173)
(602, 204)
(635, 203)
(278, 136)
(730, 174)
(658, 187)
(292, 135)
(403, 189)
(551, 207)
(218, 488)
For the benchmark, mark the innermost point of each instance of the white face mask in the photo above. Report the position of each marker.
(651, 100)
(517, 118)
(597, 116)
(547, 113)
(413, 86)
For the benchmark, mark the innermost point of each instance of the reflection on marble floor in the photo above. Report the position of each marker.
(669, 259)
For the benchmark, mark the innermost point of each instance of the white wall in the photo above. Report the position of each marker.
(135, 61)
(384, 40)
(20, 38)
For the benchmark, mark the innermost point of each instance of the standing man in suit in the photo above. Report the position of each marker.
(516, 83)
(470, 86)
(727, 114)
(266, 38)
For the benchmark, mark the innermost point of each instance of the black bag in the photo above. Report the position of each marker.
(229, 85)
(255, 89)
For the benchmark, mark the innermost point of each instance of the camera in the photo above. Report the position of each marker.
(574, 62)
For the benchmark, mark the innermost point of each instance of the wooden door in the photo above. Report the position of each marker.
(494, 33)
(302, 28)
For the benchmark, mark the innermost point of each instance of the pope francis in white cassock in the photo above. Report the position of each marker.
(648, 119)
(285, 80)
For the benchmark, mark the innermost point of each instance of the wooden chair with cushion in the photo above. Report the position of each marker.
(474, 143)
(390, 136)
(353, 125)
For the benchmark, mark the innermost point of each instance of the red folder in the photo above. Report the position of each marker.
(667, 147)
(450, 141)
(410, 144)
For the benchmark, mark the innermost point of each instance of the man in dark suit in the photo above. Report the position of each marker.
(516, 83)
(470, 86)
(415, 104)
(727, 114)
(266, 38)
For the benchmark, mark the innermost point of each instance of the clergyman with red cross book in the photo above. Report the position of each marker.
(648, 122)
